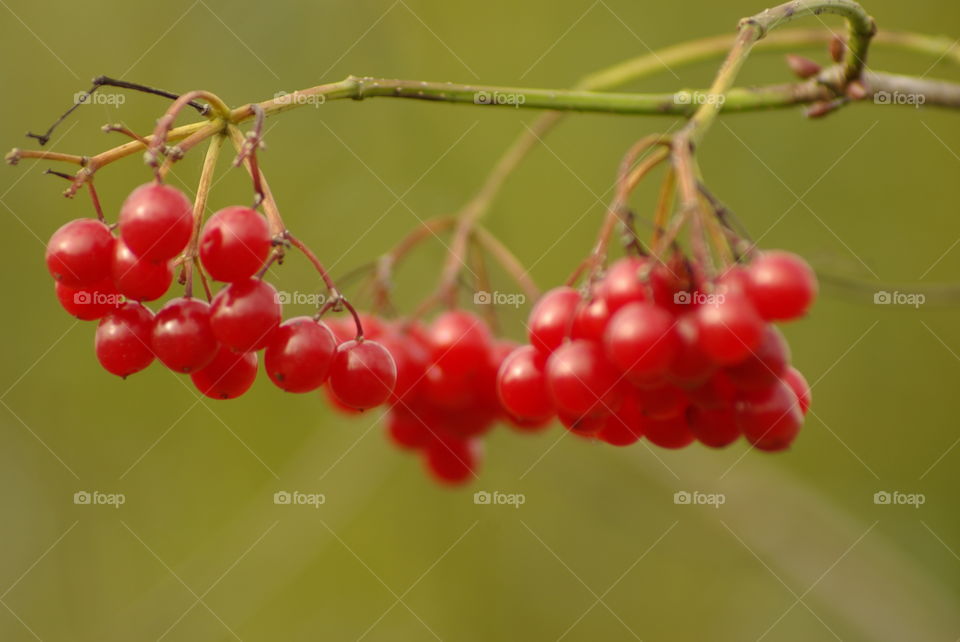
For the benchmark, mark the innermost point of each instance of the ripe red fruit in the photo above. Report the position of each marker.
(228, 376)
(662, 401)
(89, 303)
(771, 418)
(457, 341)
(410, 355)
(363, 374)
(713, 427)
(182, 338)
(522, 385)
(123, 340)
(79, 253)
(139, 279)
(590, 320)
(452, 461)
(641, 341)
(244, 314)
(299, 355)
(765, 364)
(156, 222)
(623, 284)
(781, 285)
(551, 318)
(668, 433)
(623, 427)
(585, 426)
(407, 430)
(234, 243)
(581, 381)
(690, 366)
(728, 329)
(798, 383)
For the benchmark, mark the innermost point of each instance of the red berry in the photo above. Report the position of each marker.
(668, 433)
(156, 222)
(582, 426)
(623, 427)
(771, 418)
(459, 340)
(80, 252)
(452, 461)
(623, 284)
(590, 320)
(89, 303)
(139, 279)
(522, 385)
(641, 341)
(690, 366)
(662, 401)
(714, 427)
(581, 381)
(123, 339)
(798, 384)
(228, 376)
(182, 338)
(299, 355)
(411, 358)
(781, 285)
(363, 374)
(407, 430)
(765, 364)
(728, 329)
(552, 317)
(234, 243)
(245, 314)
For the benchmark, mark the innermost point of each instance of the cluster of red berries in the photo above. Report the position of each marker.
(100, 276)
(646, 354)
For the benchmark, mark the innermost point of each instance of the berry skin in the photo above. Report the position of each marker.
(581, 381)
(457, 341)
(728, 329)
(89, 303)
(522, 385)
(363, 374)
(624, 427)
(622, 283)
(690, 366)
(406, 430)
(244, 314)
(670, 433)
(662, 402)
(234, 244)
(228, 376)
(123, 340)
(452, 461)
(182, 338)
(770, 419)
(299, 355)
(156, 222)
(552, 318)
(641, 341)
(590, 320)
(798, 383)
(714, 427)
(138, 279)
(80, 252)
(586, 426)
(781, 285)
(765, 364)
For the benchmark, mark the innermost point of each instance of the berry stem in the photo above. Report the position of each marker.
(190, 255)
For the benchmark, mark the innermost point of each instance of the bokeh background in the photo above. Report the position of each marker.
(599, 550)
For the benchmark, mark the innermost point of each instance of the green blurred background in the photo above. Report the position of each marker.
(599, 550)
